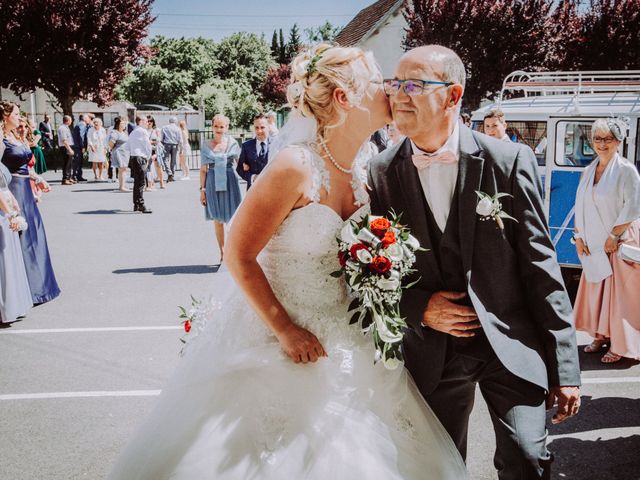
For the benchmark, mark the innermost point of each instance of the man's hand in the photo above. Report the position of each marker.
(445, 316)
(568, 399)
(246, 167)
(582, 248)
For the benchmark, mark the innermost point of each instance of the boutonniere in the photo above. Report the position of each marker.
(491, 208)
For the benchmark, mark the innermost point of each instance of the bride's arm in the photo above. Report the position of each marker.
(268, 202)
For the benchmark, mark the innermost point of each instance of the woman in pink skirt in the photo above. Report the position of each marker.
(607, 212)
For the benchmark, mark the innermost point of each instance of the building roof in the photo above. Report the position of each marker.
(367, 21)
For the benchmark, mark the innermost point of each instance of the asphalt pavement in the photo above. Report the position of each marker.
(81, 372)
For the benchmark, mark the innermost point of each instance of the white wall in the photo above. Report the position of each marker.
(386, 43)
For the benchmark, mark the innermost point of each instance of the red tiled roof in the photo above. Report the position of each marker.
(365, 21)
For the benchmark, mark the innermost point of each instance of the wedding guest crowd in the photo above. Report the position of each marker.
(607, 216)
(219, 187)
(33, 240)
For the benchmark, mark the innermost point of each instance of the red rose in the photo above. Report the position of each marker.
(187, 326)
(342, 258)
(379, 226)
(388, 239)
(380, 264)
(355, 248)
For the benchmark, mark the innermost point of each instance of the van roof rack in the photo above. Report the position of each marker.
(553, 83)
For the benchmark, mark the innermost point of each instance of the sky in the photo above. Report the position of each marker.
(217, 19)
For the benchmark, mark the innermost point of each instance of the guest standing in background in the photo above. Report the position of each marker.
(171, 139)
(119, 153)
(97, 148)
(33, 240)
(272, 118)
(254, 153)
(495, 125)
(157, 155)
(219, 188)
(185, 150)
(79, 145)
(607, 214)
(15, 295)
(139, 147)
(38, 139)
(47, 136)
(65, 145)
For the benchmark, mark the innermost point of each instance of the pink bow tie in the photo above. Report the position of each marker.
(423, 160)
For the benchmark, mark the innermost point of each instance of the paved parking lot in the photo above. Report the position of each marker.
(78, 374)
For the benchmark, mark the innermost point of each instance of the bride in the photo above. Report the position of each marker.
(277, 384)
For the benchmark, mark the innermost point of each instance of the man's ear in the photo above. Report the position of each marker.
(455, 95)
(340, 97)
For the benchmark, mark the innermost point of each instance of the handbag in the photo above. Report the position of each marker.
(629, 253)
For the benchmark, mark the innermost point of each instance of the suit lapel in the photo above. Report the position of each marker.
(414, 212)
(469, 181)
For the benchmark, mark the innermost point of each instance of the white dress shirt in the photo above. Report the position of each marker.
(266, 145)
(438, 180)
(64, 133)
(139, 143)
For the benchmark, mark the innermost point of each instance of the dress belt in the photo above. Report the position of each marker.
(20, 175)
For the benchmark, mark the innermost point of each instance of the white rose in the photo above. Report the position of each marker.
(391, 363)
(484, 207)
(347, 235)
(394, 251)
(388, 283)
(385, 334)
(364, 256)
(412, 242)
(300, 70)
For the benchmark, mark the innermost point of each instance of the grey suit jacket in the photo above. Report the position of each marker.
(513, 278)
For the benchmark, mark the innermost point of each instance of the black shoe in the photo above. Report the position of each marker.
(170, 179)
(81, 179)
(142, 209)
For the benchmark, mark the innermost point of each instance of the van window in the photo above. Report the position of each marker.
(578, 151)
(531, 133)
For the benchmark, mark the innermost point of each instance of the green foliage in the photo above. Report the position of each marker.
(155, 84)
(324, 33)
(294, 45)
(243, 57)
(193, 55)
(235, 99)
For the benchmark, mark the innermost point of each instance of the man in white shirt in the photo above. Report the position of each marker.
(171, 138)
(488, 307)
(495, 125)
(65, 144)
(139, 147)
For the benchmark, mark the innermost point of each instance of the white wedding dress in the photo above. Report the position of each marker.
(238, 408)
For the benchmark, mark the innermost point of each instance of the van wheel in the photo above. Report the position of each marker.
(571, 277)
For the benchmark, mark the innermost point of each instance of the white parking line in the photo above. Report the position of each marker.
(88, 329)
(120, 393)
(586, 380)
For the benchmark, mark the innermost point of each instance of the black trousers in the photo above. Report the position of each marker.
(516, 408)
(67, 164)
(78, 157)
(138, 167)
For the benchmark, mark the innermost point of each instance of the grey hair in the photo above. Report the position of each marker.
(173, 119)
(453, 69)
(616, 126)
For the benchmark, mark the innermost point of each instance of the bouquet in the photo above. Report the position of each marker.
(375, 255)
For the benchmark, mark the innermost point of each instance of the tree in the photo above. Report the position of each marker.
(155, 84)
(193, 55)
(611, 35)
(493, 38)
(236, 100)
(324, 33)
(282, 58)
(274, 87)
(564, 37)
(72, 49)
(294, 45)
(275, 46)
(243, 57)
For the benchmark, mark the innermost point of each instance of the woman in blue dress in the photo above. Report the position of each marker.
(219, 187)
(33, 240)
(15, 295)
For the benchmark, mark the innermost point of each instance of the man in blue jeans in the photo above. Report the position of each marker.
(171, 137)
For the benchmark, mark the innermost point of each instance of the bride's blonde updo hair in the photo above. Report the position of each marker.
(318, 71)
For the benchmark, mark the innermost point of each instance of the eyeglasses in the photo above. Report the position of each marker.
(605, 140)
(411, 87)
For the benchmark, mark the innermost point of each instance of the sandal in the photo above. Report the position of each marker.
(611, 357)
(597, 345)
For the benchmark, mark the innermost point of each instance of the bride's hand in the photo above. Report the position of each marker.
(300, 344)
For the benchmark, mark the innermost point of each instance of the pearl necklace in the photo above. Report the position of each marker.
(333, 160)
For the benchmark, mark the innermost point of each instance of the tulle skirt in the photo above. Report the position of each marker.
(238, 408)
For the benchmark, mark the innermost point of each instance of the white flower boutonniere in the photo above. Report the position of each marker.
(491, 208)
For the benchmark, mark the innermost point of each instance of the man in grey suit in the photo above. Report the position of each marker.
(490, 307)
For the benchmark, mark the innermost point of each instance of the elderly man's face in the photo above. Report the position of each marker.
(417, 113)
(494, 127)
